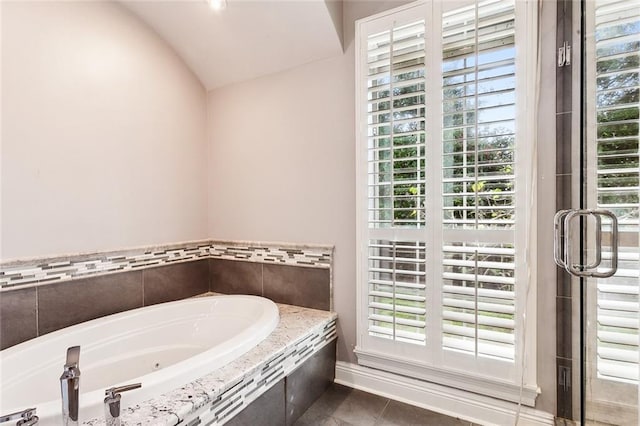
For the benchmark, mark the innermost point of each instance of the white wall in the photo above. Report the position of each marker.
(103, 133)
(282, 162)
(282, 168)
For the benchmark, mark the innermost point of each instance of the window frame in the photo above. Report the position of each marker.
(453, 369)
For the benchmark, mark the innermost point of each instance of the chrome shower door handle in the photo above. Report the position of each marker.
(598, 260)
(577, 269)
(558, 238)
(614, 244)
(563, 240)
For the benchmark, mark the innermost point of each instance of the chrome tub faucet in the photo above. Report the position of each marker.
(25, 417)
(70, 387)
(112, 403)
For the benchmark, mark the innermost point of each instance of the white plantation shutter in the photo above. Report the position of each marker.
(478, 178)
(395, 76)
(614, 90)
(397, 293)
(440, 193)
(478, 299)
(396, 126)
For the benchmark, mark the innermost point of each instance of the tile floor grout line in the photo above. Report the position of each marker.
(379, 419)
(328, 416)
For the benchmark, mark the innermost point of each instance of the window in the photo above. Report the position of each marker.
(444, 193)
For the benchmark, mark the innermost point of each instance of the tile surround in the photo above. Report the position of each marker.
(217, 397)
(30, 310)
(290, 397)
(267, 410)
(233, 400)
(235, 277)
(281, 283)
(292, 285)
(34, 292)
(59, 305)
(314, 256)
(18, 316)
(41, 271)
(179, 281)
(226, 391)
(46, 270)
(308, 382)
(65, 304)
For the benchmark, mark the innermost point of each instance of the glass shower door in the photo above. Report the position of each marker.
(610, 183)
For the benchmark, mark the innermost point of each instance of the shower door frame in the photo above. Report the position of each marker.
(595, 395)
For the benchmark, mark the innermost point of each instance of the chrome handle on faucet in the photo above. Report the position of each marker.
(25, 417)
(73, 357)
(70, 387)
(112, 402)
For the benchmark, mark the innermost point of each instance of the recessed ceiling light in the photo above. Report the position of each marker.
(218, 4)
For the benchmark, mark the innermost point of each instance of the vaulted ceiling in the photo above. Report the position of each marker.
(246, 40)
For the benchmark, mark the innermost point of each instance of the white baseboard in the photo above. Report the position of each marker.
(442, 399)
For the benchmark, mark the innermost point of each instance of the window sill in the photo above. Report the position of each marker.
(481, 385)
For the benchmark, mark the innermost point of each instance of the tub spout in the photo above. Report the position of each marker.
(70, 387)
(112, 403)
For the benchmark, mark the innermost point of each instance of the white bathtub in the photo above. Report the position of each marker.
(162, 346)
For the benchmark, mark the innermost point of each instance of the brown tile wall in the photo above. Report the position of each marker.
(32, 312)
(564, 171)
(18, 319)
(267, 410)
(235, 277)
(293, 285)
(309, 381)
(289, 398)
(174, 282)
(65, 304)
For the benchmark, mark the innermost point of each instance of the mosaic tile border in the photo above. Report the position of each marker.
(242, 393)
(41, 271)
(298, 256)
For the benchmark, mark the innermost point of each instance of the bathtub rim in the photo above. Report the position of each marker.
(123, 314)
(49, 407)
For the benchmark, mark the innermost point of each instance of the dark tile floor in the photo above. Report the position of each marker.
(344, 406)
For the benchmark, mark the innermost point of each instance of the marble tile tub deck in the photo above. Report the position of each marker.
(221, 394)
